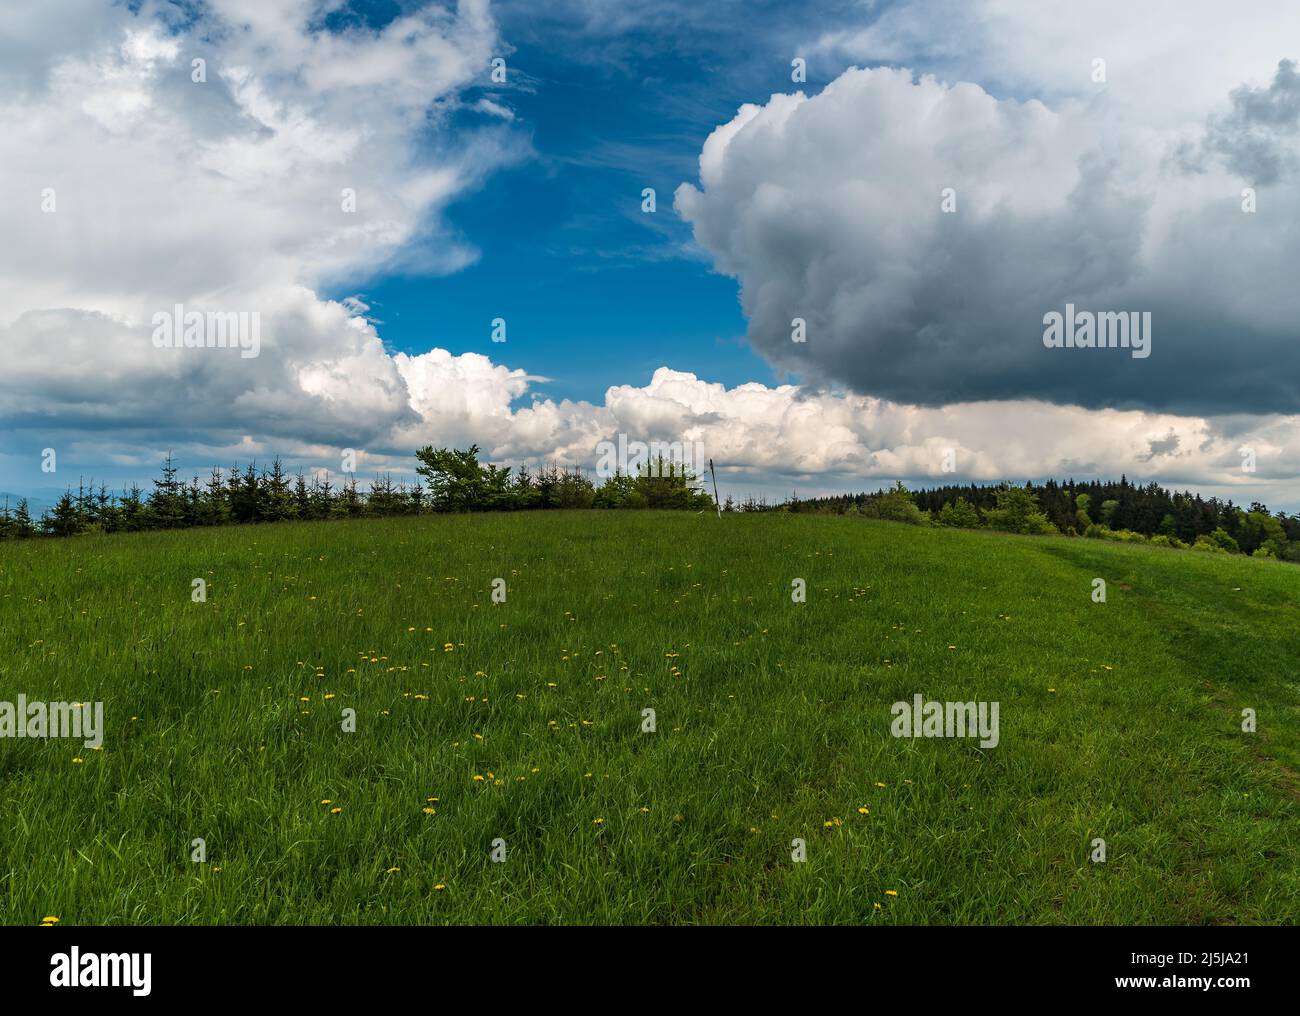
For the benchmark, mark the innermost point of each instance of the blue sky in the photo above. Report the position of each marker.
(522, 201)
(596, 292)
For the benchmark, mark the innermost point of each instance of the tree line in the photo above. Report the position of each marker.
(1115, 510)
(451, 481)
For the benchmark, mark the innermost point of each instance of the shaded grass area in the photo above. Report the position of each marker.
(1119, 721)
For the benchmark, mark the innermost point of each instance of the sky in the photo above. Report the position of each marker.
(931, 182)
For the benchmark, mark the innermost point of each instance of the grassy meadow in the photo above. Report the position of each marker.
(523, 721)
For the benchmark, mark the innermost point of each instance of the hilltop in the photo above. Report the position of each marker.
(525, 721)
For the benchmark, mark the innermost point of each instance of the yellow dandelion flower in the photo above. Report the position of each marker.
(50, 920)
(597, 821)
(335, 811)
(891, 892)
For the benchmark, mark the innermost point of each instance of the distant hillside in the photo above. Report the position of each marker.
(36, 504)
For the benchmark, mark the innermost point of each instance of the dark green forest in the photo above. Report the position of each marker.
(1117, 510)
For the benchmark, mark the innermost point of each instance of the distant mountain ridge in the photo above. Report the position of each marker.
(36, 504)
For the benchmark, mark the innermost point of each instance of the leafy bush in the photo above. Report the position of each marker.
(896, 505)
(1123, 536)
(1220, 536)
(960, 514)
(1018, 512)
(1082, 520)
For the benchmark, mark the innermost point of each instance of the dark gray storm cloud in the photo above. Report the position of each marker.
(1257, 137)
(923, 231)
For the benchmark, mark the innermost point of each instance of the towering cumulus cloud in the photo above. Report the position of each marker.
(923, 231)
(235, 160)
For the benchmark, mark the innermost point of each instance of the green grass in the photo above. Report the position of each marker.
(1119, 720)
